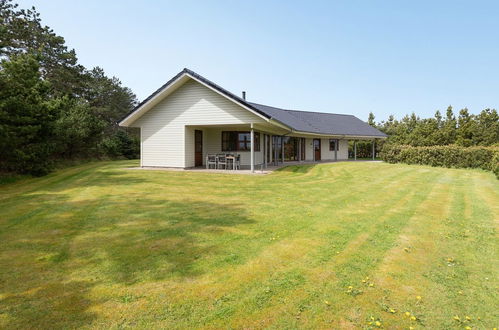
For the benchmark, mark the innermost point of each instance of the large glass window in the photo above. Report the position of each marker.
(290, 148)
(239, 141)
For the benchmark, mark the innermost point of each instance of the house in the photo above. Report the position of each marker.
(190, 117)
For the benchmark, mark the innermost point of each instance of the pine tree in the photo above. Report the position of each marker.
(27, 115)
(370, 120)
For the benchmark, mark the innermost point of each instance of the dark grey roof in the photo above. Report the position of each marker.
(321, 122)
(304, 121)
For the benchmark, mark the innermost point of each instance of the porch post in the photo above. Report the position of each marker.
(276, 160)
(264, 156)
(252, 149)
(282, 149)
(299, 150)
(313, 150)
(336, 145)
(271, 155)
(373, 147)
(354, 149)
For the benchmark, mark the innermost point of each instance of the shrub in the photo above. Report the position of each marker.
(495, 164)
(486, 158)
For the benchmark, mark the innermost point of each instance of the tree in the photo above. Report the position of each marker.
(449, 127)
(370, 119)
(26, 115)
(78, 130)
(50, 106)
(22, 32)
(465, 128)
(486, 128)
(108, 98)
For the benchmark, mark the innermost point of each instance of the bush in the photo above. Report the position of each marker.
(495, 165)
(486, 158)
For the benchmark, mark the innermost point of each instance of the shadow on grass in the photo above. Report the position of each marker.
(161, 239)
(111, 239)
(53, 305)
(78, 177)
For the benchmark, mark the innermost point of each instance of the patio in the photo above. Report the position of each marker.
(259, 170)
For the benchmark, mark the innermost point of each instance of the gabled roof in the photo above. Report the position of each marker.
(298, 121)
(199, 78)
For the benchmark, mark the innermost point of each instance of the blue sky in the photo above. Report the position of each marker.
(388, 57)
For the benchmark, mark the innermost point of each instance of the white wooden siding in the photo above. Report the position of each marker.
(326, 154)
(342, 152)
(166, 141)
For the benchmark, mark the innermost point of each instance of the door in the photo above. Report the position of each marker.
(198, 148)
(317, 149)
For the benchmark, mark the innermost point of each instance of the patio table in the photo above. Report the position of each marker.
(232, 159)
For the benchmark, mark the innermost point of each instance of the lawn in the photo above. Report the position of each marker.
(344, 245)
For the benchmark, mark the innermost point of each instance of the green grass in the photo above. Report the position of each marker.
(100, 246)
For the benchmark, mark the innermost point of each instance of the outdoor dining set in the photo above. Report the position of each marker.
(225, 161)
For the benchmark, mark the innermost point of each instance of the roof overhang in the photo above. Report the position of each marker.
(342, 136)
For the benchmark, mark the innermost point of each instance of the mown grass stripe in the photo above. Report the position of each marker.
(99, 246)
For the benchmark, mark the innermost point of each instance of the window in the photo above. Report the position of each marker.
(333, 145)
(239, 141)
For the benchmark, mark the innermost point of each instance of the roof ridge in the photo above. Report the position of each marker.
(322, 113)
(290, 110)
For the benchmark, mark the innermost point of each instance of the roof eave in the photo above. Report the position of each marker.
(351, 136)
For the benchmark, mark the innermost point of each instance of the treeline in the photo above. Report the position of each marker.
(52, 108)
(464, 130)
(465, 141)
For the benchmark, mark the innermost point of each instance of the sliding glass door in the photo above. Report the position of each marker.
(290, 146)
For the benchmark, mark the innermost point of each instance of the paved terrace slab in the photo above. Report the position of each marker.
(258, 168)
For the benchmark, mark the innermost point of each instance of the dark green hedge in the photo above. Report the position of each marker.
(486, 158)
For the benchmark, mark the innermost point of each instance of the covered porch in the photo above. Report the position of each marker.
(259, 147)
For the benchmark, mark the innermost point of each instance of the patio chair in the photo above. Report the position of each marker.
(211, 160)
(221, 161)
(237, 165)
